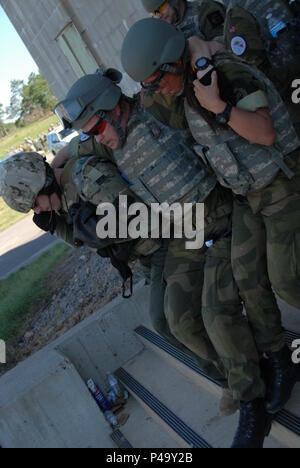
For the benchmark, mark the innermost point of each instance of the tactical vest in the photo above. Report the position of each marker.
(78, 177)
(239, 165)
(70, 194)
(86, 147)
(160, 163)
(204, 19)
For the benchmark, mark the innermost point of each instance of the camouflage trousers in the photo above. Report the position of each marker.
(227, 327)
(278, 207)
(175, 306)
(250, 270)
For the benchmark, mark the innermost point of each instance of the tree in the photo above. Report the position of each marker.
(36, 94)
(15, 107)
(3, 130)
(2, 115)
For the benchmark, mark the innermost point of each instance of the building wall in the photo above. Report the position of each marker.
(102, 25)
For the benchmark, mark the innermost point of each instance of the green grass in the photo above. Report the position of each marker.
(24, 288)
(30, 131)
(8, 217)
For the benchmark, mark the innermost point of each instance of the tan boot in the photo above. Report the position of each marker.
(228, 406)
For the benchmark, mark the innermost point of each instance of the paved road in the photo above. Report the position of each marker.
(21, 244)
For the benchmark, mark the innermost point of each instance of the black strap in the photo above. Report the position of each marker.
(119, 256)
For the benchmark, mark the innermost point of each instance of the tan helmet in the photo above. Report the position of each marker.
(22, 177)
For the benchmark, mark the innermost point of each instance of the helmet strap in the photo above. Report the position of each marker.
(116, 124)
(176, 7)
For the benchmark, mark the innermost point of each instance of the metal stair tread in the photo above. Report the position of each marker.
(198, 410)
(289, 418)
(142, 431)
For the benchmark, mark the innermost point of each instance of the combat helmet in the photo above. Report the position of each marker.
(150, 45)
(22, 177)
(152, 5)
(92, 94)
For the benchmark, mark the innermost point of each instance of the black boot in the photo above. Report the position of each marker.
(281, 375)
(254, 425)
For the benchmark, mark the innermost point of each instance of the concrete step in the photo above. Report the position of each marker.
(45, 404)
(142, 431)
(286, 428)
(190, 413)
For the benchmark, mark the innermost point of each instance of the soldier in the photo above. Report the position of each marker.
(148, 57)
(204, 18)
(64, 202)
(152, 140)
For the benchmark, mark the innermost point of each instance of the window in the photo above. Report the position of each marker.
(74, 48)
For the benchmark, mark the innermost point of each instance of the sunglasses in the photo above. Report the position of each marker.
(161, 9)
(166, 68)
(98, 128)
(154, 85)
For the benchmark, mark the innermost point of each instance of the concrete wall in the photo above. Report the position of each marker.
(44, 401)
(102, 24)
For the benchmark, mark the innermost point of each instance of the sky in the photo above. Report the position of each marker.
(16, 62)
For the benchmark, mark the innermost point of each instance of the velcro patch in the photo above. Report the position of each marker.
(84, 138)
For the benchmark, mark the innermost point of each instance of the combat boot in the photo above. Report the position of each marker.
(281, 375)
(254, 425)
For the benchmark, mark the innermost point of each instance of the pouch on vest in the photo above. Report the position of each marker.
(211, 16)
(228, 170)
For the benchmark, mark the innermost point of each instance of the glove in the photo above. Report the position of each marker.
(45, 221)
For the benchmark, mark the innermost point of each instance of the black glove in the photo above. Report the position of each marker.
(46, 221)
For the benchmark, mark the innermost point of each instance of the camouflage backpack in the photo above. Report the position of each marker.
(204, 18)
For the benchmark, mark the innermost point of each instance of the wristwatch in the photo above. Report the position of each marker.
(203, 63)
(224, 117)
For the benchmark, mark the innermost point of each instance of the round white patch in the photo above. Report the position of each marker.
(238, 45)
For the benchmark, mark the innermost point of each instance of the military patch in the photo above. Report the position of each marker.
(216, 19)
(238, 45)
(84, 138)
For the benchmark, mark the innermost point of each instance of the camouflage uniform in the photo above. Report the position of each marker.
(86, 179)
(204, 19)
(268, 202)
(184, 269)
